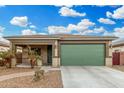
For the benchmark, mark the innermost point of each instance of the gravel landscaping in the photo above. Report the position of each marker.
(52, 80)
(6, 71)
(121, 68)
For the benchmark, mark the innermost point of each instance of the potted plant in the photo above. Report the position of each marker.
(38, 61)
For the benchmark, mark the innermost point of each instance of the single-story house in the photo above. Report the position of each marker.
(66, 50)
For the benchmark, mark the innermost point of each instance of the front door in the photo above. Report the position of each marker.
(49, 54)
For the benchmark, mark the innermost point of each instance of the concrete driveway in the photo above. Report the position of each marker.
(91, 77)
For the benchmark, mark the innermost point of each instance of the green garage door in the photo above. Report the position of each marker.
(83, 54)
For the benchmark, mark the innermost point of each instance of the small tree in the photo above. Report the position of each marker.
(31, 56)
(34, 57)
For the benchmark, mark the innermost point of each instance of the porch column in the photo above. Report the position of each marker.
(55, 59)
(108, 54)
(13, 48)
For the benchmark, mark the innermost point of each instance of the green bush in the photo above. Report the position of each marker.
(5, 58)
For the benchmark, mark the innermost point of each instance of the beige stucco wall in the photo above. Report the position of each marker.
(55, 62)
(108, 59)
(44, 54)
(25, 58)
(119, 48)
(56, 59)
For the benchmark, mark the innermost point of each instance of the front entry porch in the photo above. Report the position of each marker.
(46, 48)
(44, 51)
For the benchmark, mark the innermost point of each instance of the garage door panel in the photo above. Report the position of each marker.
(85, 54)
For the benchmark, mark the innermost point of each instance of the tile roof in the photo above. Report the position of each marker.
(118, 42)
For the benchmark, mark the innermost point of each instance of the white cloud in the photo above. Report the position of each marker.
(100, 5)
(117, 14)
(57, 30)
(32, 32)
(65, 11)
(118, 32)
(32, 26)
(86, 32)
(2, 29)
(71, 27)
(99, 30)
(113, 6)
(121, 30)
(106, 33)
(80, 27)
(106, 21)
(84, 25)
(93, 31)
(108, 14)
(85, 22)
(64, 6)
(28, 32)
(19, 21)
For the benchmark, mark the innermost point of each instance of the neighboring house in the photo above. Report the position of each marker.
(4, 46)
(118, 45)
(66, 50)
(118, 52)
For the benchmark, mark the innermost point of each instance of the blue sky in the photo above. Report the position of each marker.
(46, 19)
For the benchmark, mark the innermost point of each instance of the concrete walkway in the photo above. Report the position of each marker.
(91, 77)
